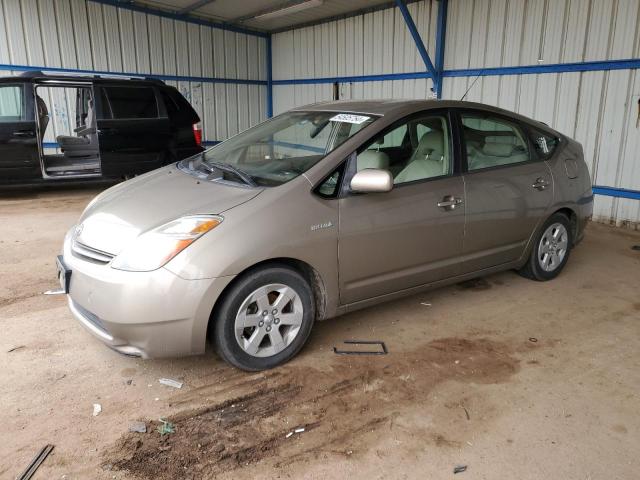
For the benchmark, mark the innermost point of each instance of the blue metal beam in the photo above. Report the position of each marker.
(616, 192)
(416, 38)
(441, 33)
(173, 78)
(269, 79)
(129, 5)
(194, 6)
(604, 65)
(354, 79)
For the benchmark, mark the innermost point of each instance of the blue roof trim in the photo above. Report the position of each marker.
(129, 5)
(174, 78)
(356, 78)
(604, 65)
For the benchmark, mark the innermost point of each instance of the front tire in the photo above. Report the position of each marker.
(551, 249)
(264, 319)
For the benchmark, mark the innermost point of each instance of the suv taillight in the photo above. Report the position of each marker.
(197, 134)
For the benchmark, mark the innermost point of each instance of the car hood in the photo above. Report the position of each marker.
(118, 215)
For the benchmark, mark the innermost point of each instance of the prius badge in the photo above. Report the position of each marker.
(321, 225)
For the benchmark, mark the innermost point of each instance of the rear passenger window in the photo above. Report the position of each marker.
(11, 103)
(544, 143)
(492, 142)
(131, 102)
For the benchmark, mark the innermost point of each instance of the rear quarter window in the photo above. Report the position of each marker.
(130, 102)
(178, 108)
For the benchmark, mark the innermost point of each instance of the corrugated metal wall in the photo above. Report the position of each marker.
(80, 34)
(599, 109)
(374, 43)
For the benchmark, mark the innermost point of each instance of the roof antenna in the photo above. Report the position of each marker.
(472, 84)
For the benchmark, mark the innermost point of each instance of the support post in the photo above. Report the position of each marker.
(441, 34)
(269, 79)
(402, 6)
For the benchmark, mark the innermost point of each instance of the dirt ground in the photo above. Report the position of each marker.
(512, 378)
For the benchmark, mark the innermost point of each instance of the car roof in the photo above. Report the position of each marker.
(399, 107)
(39, 76)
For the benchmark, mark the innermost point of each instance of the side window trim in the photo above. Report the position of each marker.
(524, 130)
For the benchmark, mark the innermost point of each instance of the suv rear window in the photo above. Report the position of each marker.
(11, 103)
(130, 102)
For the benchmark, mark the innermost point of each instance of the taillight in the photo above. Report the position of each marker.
(197, 134)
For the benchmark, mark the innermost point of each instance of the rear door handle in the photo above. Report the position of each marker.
(540, 184)
(450, 202)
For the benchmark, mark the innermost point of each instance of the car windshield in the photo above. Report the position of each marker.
(280, 149)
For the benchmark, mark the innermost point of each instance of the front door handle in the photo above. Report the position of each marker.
(540, 184)
(450, 202)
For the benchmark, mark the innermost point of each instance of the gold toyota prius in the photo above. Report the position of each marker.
(320, 211)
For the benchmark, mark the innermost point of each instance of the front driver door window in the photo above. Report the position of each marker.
(402, 239)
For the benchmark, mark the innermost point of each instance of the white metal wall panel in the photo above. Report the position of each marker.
(373, 43)
(80, 34)
(599, 109)
(501, 33)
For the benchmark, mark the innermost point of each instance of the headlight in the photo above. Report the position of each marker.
(154, 248)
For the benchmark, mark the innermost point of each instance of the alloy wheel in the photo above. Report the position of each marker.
(268, 320)
(553, 247)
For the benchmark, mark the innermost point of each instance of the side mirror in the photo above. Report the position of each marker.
(371, 180)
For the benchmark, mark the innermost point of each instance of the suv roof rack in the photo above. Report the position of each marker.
(101, 76)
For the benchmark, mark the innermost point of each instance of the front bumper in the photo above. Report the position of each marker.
(144, 314)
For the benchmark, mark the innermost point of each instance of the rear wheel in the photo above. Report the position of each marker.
(265, 319)
(551, 249)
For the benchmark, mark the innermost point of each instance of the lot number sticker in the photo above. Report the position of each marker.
(348, 118)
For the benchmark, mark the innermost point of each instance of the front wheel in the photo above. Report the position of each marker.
(551, 249)
(264, 319)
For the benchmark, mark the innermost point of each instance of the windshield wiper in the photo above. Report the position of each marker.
(244, 176)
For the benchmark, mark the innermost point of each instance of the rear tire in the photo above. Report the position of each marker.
(264, 319)
(550, 250)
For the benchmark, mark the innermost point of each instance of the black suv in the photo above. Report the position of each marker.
(56, 127)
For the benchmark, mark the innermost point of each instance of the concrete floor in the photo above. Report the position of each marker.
(462, 384)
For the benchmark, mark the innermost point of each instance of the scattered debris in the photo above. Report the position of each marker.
(425, 304)
(166, 427)
(459, 469)
(97, 408)
(13, 349)
(170, 383)
(635, 247)
(59, 291)
(466, 412)
(362, 352)
(129, 382)
(533, 339)
(138, 427)
(296, 430)
(36, 462)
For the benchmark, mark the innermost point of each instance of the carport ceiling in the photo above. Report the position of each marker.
(266, 15)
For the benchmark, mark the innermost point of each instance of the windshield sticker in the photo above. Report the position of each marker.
(349, 118)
